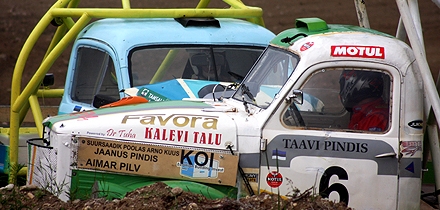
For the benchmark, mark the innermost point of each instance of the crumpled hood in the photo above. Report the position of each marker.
(179, 123)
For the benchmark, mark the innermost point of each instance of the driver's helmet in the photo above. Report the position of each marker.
(206, 66)
(356, 86)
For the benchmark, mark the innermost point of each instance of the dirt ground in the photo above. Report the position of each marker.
(18, 18)
(159, 196)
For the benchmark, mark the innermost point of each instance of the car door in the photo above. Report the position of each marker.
(315, 145)
(93, 72)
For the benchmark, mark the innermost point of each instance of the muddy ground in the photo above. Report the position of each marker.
(159, 196)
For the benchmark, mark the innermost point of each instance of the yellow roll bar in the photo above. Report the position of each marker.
(64, 13)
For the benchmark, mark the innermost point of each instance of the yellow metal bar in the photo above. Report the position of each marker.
(24, 110)
(22, 172)
(26, 130)
(47, 63)
(126, 4)
(165, 64)
(56, 38)
(236, 4)
(155, 13)
(203, 4)
(36, 112)
(18, 100)
(68, 22)
(50, 93)
(27, 47)
(16, 84)
(239, 5)
(72, 3)
(66, 10)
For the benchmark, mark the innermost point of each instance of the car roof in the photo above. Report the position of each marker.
(129, 33)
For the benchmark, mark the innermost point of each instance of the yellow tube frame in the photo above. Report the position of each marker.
(64, 12)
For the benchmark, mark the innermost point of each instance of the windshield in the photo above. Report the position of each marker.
(150, 65)
(267, 77)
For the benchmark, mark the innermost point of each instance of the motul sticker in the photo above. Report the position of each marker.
(274, 179)
(358, 51)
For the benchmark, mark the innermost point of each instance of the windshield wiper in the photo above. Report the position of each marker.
(245, 91)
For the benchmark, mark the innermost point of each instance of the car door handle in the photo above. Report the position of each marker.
(384, 155)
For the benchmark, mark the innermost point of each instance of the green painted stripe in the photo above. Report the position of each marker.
(110, 185)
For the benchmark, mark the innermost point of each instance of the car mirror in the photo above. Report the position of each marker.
(296, 97)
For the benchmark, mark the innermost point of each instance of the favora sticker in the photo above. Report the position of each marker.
(358, 51)
(274, 179)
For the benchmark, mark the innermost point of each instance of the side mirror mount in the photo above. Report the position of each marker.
(48, 80)
(296, 97)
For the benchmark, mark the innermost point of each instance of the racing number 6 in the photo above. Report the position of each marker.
(325, 190)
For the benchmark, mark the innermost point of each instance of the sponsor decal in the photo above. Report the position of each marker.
(84, 115)
(356, 147)
(274, 179)
(278, 155)
(200, 165)
(178, 120)
(156, 161)
(93, 133)
(306, 46)
(411, 147)
(77, 108)
(342, 148)
(251, 177)
(151, 95)
(196, 137)
(204, 136)
(122, 133)
(410, 167)
(358, 51)
(417, 124)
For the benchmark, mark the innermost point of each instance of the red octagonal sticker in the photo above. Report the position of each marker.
(274, 179)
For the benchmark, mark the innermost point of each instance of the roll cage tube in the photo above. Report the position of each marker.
(71, 19)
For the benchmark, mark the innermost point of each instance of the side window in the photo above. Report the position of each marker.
(343, 98)
(94, 74)
(151, 65)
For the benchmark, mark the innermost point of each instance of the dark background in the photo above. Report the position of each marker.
(18, 18)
